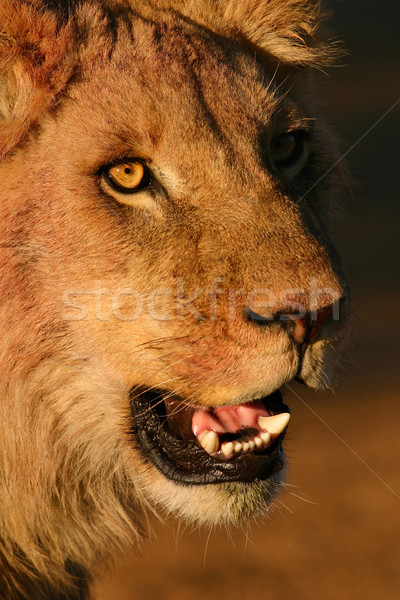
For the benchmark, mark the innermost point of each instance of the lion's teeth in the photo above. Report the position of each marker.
(271, 427)
(274, 425)
(227, 449)
(266, 438)
(209, 440)
(237, 447)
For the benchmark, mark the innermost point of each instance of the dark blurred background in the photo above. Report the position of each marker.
(335, 533)
(361, 99)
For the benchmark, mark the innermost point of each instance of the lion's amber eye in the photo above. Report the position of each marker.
(127, 176)
(289, 152)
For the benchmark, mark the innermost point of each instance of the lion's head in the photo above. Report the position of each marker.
(166, 195)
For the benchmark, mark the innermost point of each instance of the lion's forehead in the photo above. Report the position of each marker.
(151, 79)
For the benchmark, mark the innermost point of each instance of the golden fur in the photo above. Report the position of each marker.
(188, 85)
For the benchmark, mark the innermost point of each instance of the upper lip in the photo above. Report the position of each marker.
(174, 450)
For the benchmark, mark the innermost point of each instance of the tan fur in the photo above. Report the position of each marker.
(32, 48)
(177, 83)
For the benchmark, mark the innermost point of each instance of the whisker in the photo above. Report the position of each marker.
(284, 505)
(206, 546)
(304, 499)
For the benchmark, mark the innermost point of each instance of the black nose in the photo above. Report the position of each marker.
(301, 327)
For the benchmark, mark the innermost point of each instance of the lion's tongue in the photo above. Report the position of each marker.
(228, 419)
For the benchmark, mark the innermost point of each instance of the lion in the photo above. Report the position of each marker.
(167, 196)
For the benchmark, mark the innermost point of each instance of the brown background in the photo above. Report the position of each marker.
(336, 532)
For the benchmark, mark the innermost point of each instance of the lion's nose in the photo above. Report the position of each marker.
(303, 328)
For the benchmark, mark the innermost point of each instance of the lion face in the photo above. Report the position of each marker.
(171, 259)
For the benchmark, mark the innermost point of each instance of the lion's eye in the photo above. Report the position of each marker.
(289, 152)
(127, 177)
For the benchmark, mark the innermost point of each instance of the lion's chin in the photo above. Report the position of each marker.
(209, 505)
(197, 446)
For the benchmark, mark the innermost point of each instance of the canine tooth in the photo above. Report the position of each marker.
(227, 449)
(246, 447)
(274, 425)
(237, 447)
(252, 444)
(258, 442)
(209, 440)
(266, 438)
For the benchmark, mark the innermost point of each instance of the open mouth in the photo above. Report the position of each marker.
(198, 446)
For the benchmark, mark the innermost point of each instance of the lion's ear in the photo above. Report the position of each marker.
(33, 69)
(285, 29)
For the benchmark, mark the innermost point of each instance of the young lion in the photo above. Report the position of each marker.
(166, 192)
